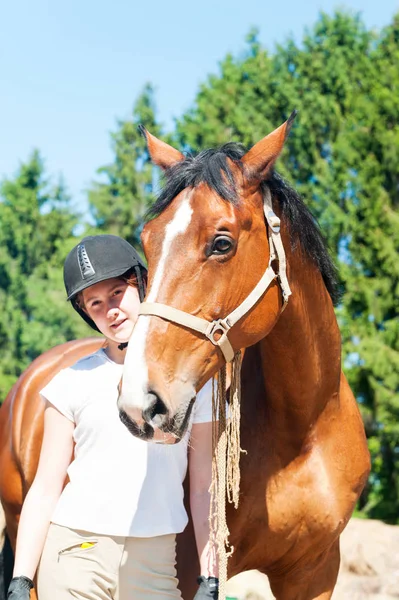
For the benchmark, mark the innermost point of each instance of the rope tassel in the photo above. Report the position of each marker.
(225, 463)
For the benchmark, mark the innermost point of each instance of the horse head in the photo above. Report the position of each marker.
(208, 249)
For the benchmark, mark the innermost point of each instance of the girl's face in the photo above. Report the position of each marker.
(113, 305)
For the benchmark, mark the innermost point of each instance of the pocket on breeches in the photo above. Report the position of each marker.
(80, 549)
(63, 543)
(75, 564)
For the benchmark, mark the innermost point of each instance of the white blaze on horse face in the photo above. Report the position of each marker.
(178, 225)
(135, 371)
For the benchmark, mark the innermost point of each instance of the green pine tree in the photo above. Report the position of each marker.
(36, 232)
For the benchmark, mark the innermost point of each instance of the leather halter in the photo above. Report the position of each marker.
(216, 331)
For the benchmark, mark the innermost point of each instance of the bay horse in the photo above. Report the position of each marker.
(21, 432)
(212, 240)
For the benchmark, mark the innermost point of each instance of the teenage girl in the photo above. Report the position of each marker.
(109, 534)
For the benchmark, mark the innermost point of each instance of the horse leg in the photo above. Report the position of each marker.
(187, 557)
(2, 544)
(311, 584)
(6, 556)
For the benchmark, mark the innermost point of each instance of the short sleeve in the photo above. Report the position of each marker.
(203, 404)
(59, 392)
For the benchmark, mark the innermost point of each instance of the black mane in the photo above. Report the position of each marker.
(212, 167)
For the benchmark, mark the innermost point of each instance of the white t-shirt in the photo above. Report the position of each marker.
(119, 485)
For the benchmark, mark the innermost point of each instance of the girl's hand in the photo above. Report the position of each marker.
(20, 588)
(208, 588)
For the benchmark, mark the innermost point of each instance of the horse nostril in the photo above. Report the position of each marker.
(156, 411)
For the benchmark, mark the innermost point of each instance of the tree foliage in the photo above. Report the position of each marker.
(342, 156)
(36, 231)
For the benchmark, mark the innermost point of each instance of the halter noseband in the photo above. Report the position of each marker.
(216, 331)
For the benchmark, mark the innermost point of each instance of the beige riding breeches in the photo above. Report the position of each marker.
(82, 565)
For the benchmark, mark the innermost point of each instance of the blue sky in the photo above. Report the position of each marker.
(70, 68)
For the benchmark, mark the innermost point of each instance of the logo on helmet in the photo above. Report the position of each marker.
(85, 266)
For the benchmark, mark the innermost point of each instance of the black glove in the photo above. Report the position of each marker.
(19, 588)
(208, 588)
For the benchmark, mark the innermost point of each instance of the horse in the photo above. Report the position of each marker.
(227, 242)
(21, 432)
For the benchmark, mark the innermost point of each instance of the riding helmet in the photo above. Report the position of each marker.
(97, 258)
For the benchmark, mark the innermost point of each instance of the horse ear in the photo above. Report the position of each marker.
(161, 153)
(261, 158)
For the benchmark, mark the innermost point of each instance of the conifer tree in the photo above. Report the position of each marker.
(36, 232)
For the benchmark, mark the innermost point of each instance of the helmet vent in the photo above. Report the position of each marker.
(85, 266)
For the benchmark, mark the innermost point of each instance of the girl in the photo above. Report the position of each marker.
(110, 533)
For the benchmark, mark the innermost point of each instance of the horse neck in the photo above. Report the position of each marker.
(301, 357)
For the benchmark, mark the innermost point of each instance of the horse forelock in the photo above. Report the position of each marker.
(217, 168)
(212, 167)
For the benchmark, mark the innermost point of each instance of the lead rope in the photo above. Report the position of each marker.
(226, 452)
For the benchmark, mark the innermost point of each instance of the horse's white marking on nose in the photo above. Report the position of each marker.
(135, 372)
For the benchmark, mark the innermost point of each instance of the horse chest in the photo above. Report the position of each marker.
(285, 513)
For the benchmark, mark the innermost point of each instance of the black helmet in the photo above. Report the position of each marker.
(97, 258)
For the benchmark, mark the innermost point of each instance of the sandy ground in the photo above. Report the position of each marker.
(369, 566)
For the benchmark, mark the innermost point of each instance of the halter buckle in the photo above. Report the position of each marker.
(274, 221)
(220, 326)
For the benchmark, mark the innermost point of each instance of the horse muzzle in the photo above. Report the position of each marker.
(142, 422)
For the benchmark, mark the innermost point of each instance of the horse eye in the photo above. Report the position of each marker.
(221, 245)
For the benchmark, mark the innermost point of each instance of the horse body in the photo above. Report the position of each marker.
(306, 458)
(291, 513)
